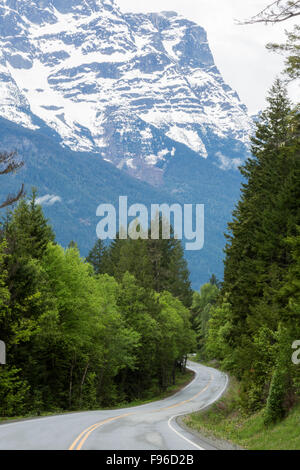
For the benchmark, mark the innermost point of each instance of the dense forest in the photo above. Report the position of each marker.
(251, 323)
(84, 334)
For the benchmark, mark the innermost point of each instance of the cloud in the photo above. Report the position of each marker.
(227, 163)
(48, 200)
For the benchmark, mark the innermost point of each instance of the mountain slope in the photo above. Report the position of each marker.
(71, 185)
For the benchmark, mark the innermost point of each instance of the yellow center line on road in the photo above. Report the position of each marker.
(80, 440)
(190, 399)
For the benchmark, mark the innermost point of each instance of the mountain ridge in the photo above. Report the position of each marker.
(114, 104)
(86, 69)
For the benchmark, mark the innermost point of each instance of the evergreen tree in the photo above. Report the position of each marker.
(28, 231)
(214, 281)
(95, 257)
(258, 258)
(73, 244)
(255, 237)
(169, 268)
(156, 264)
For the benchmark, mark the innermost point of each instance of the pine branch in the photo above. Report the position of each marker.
(276, 12)
(8, 161)
(8, 164)
(11, 199)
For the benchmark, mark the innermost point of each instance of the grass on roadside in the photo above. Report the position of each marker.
(225, 420)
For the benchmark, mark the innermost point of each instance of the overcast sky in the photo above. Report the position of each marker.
(239, 51)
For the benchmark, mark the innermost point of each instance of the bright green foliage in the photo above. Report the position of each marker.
(203, 302)
(13, 392)
(218, 339)
(76, 338)
(166, 337)
(139, 310)
(175, 336)
(87, 331)
(26, 234)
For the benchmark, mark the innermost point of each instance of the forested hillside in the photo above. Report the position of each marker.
(83, 335)
(251, 326)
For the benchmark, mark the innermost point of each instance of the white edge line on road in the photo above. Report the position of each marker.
(204, 406)
(181, 435)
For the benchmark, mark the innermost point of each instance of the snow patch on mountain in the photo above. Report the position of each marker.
(129, 87)
(188, 137)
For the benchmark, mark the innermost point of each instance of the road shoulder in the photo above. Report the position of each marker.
(211, 441)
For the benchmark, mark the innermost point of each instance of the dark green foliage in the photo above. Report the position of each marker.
(252, 330)
(95, 257)
(28, 232)
(214, 281)
(156, 264)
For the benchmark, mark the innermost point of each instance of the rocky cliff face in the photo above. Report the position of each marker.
(128, 87)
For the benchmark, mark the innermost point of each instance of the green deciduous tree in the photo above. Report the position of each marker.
(77, 338)
(203, 302)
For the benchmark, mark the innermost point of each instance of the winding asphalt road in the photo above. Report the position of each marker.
(147, 427)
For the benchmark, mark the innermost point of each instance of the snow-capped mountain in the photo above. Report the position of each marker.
(134, 88)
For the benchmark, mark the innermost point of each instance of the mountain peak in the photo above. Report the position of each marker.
(133, 88)
(39, 10)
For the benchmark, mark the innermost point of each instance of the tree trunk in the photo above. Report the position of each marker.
(71, 384)
(174, 373)
(82, 381)
(71, 380)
